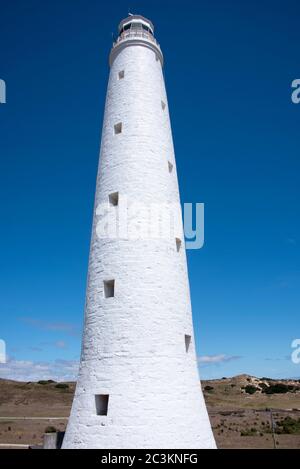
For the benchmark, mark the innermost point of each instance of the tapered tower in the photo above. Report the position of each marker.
(138, 384)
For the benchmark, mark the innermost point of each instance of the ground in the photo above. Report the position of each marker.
(239, 419)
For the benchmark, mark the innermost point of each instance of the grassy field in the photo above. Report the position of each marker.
(242, 413)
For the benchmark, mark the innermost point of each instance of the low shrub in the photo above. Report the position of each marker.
(50, 429)
(277, 388)
(249, 432)
(250, 389)
(208, 388)
(62, 386)
(288, 426)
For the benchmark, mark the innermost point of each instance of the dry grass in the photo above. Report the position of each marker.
(239, 420)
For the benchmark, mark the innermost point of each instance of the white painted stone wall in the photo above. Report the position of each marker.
(134, 343)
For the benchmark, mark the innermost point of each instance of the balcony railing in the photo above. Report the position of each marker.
(136, 35)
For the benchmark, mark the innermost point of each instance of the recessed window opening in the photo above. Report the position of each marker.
(178, 244)
(146, 28)
(109, 288)
(114, 199)
(118, 128)
(163, 105)
(187, 339)
(121, 74)
(101, 401)
(170, 166)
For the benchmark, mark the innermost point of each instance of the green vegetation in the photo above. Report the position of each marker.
(263, 386)
(62, 386)
(50, 429)
(208, 388)
(249, 432)
(278, 388)
(45, 381)
(250, 389)
(288, 426)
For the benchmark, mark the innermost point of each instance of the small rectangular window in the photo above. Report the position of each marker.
(178, 244)
(114, 199)
(163, 105)
(170, 166)
(118, 128)
(101, 401)
(121, 74)
(187, 339)
(109, 288)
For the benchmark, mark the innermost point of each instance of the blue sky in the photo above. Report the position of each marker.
(228, 69)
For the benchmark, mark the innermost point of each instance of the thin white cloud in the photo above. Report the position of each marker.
(27, 370)
(287, 357)
(35, 349)
(60, 344)
(214, 359)
(68, 328)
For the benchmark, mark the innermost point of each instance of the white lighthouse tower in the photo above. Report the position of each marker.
(138, 384)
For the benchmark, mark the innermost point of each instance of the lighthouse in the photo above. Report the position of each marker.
(138, 383)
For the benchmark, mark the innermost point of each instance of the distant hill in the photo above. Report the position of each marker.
(49, 398)
(246, 392)
(32, 399)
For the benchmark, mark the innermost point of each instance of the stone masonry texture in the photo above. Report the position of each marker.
(134, 347)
